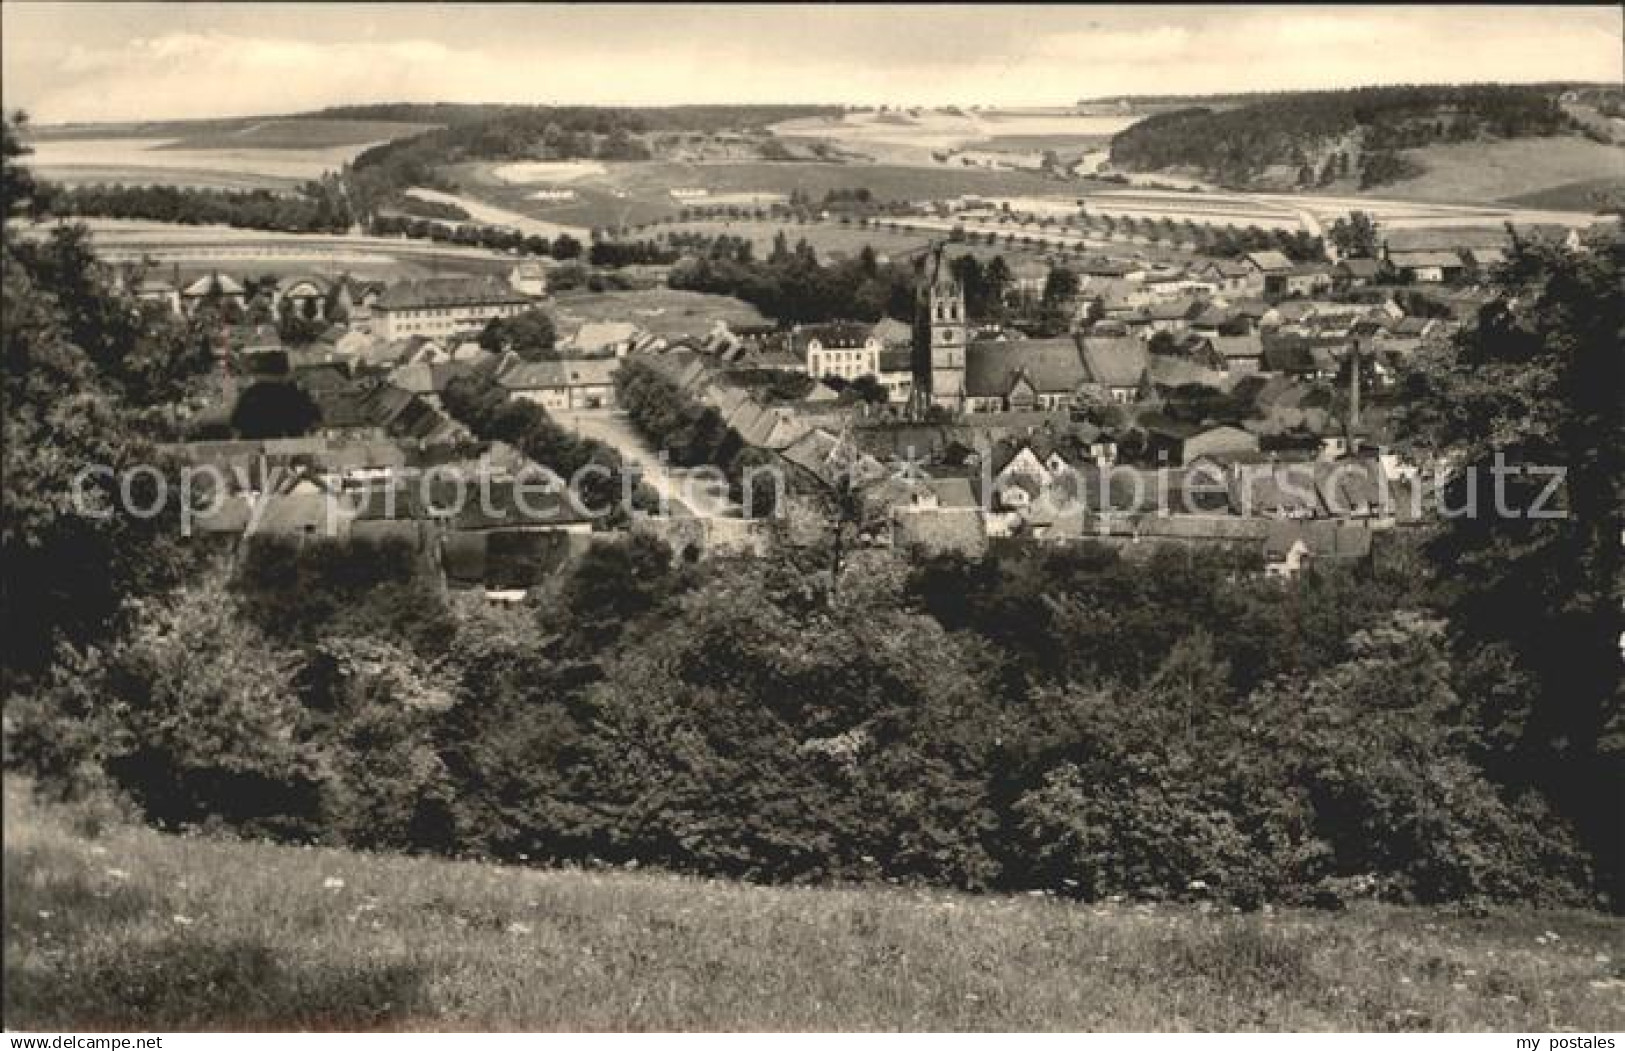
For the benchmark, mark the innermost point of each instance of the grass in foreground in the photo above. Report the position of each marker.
(132, 929)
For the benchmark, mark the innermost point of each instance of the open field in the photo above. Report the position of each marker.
(663, 311)
(903, 138)
(1068, 146)
(640, 192)
(260, 132)
(528, 172)
(1582, 195)
(302, 133)
(130, 929)
(260, 153)
(481, 210)
(158, 175)
(1497, 171)
(166, 162)
(195, 249)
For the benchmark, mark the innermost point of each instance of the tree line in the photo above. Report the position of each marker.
(792, 286)
(496, 238)
(482, 404)
(317, 207)
(690, 433)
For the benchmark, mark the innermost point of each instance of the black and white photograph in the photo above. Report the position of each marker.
(812, 518)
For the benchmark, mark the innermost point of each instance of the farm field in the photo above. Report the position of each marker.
(1582, 195)
(662, 311)
(903, 138)
(302, 133)
(76, 174)
(112, 927)
(163, 161)
(630, 194)
(251, 154)
(197, 249)
(1498, 171)
(481, 210)
(1069, 147)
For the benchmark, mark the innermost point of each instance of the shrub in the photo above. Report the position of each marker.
(194, 716)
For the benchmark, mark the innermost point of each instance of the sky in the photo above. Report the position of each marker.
(95, 62)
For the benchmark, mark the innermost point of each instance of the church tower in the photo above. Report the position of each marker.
(939, 339)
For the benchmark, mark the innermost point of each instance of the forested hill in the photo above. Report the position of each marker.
(650, 118)
(501, 133)
(1321, 137)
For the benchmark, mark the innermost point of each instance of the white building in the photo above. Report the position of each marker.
(443, 306)
(528, 279)
(839, 348)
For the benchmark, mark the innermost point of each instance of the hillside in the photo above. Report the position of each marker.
(1357, 138)
(1565, 172)
(130, 929)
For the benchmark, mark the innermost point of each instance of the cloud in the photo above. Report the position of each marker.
(118, 62)
(190, 74)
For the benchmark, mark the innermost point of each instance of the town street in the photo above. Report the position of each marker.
(685, 494)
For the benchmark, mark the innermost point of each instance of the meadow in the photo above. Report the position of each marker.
(111, 926)
(662, 311)
(1505, 171)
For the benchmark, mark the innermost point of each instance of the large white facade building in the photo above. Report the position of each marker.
(443, 306)
(839, 348)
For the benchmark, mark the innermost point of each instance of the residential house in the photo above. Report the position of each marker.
(1299, 356)
(1215, 319)
(1168, 371)
(1291, 547)
(304, 297)
(1095, 270)
(602, 339)
(1114, 366)
(1230, 277)
(1181, 443)
(1028, 277)
(1307, 279)
(355, 299)
(1427, 267)
(1236, 356)
(1172, 315)
(896, 372)
(1356, 273)
(1022, 478)
(166, 295)
(1271, 269)
(1165, 283)
(428, 381)
(571, 385)
(215, 287)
